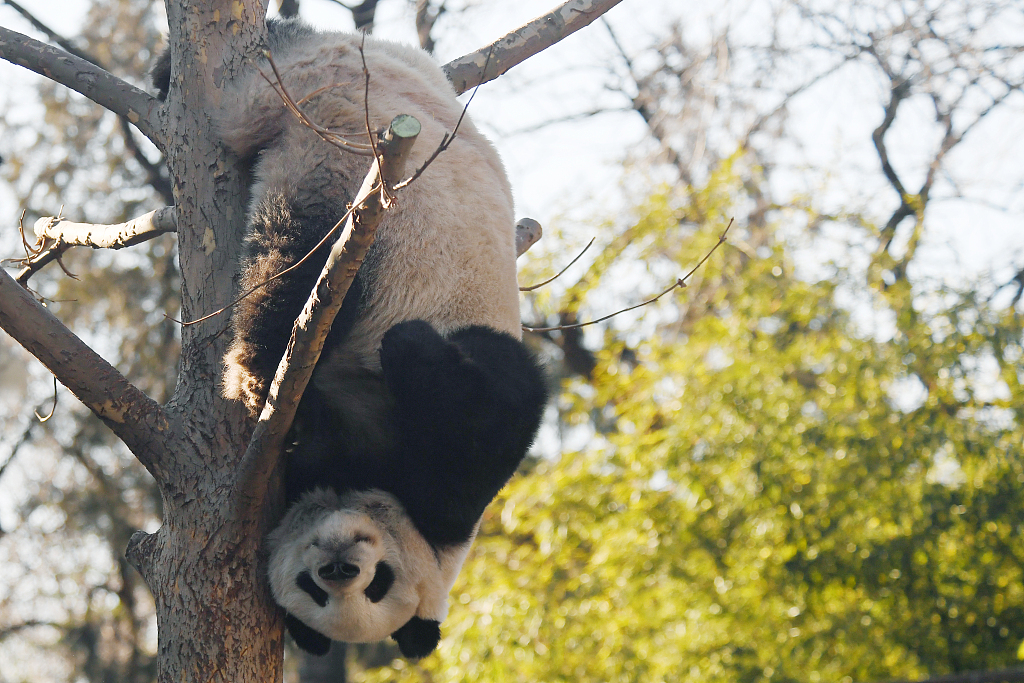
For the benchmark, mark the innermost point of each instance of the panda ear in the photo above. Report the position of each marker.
(306, 638)
(418, 638)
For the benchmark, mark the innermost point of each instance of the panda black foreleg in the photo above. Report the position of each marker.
(306, 638)
(467, 408)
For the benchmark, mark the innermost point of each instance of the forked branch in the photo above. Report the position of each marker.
(54, 236)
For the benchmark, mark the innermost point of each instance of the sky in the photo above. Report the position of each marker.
(569, 175)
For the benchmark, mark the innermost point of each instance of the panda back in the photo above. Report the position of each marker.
(446, 252)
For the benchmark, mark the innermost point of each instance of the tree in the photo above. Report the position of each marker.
(215, 615)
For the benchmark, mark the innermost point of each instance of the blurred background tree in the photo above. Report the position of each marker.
(806, 466)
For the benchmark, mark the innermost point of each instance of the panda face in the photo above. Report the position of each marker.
(347, 557)
(354, 568)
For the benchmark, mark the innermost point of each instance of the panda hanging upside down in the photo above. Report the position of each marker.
(424, 401)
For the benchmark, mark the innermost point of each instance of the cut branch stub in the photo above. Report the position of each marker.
(528, 232)
(311, 328)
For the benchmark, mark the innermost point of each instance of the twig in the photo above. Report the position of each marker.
(555, 277)
(336, 139)
(681, 282)
(270, 279)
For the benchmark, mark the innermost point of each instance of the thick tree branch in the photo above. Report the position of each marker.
(313, 324)
(134, 417)
(82, 76)
(54, 236)
(469, 71)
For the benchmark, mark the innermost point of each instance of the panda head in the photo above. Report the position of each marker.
(354, 568)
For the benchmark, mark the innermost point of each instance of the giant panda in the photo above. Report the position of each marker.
(425, 400)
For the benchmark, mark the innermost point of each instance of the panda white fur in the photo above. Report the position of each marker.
(425, 400)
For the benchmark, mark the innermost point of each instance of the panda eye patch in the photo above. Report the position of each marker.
(383, 579)
(306, 583)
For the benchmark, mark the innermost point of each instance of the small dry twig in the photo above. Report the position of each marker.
(680, 283)
(240, 297)
(559, 274)
(336, 139)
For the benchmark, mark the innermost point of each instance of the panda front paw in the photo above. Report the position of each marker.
(418, 638)
(422, 369)
(313, 642)
(240, 384)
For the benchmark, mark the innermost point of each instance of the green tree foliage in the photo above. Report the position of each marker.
(764, 496)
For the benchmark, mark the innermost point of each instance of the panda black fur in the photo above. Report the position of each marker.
(424, 401)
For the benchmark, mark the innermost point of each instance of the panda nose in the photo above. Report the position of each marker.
(338, 571)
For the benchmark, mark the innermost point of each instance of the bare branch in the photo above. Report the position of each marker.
(153, 171)
(54, 236)
(561, 272)
(119, 236)
(313, 324)
(336, 139)
(134, 417)
(899, 92)
(516, 47)
(82, 76)
(679, 283)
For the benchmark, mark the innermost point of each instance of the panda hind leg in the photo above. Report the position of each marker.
(467, 408)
